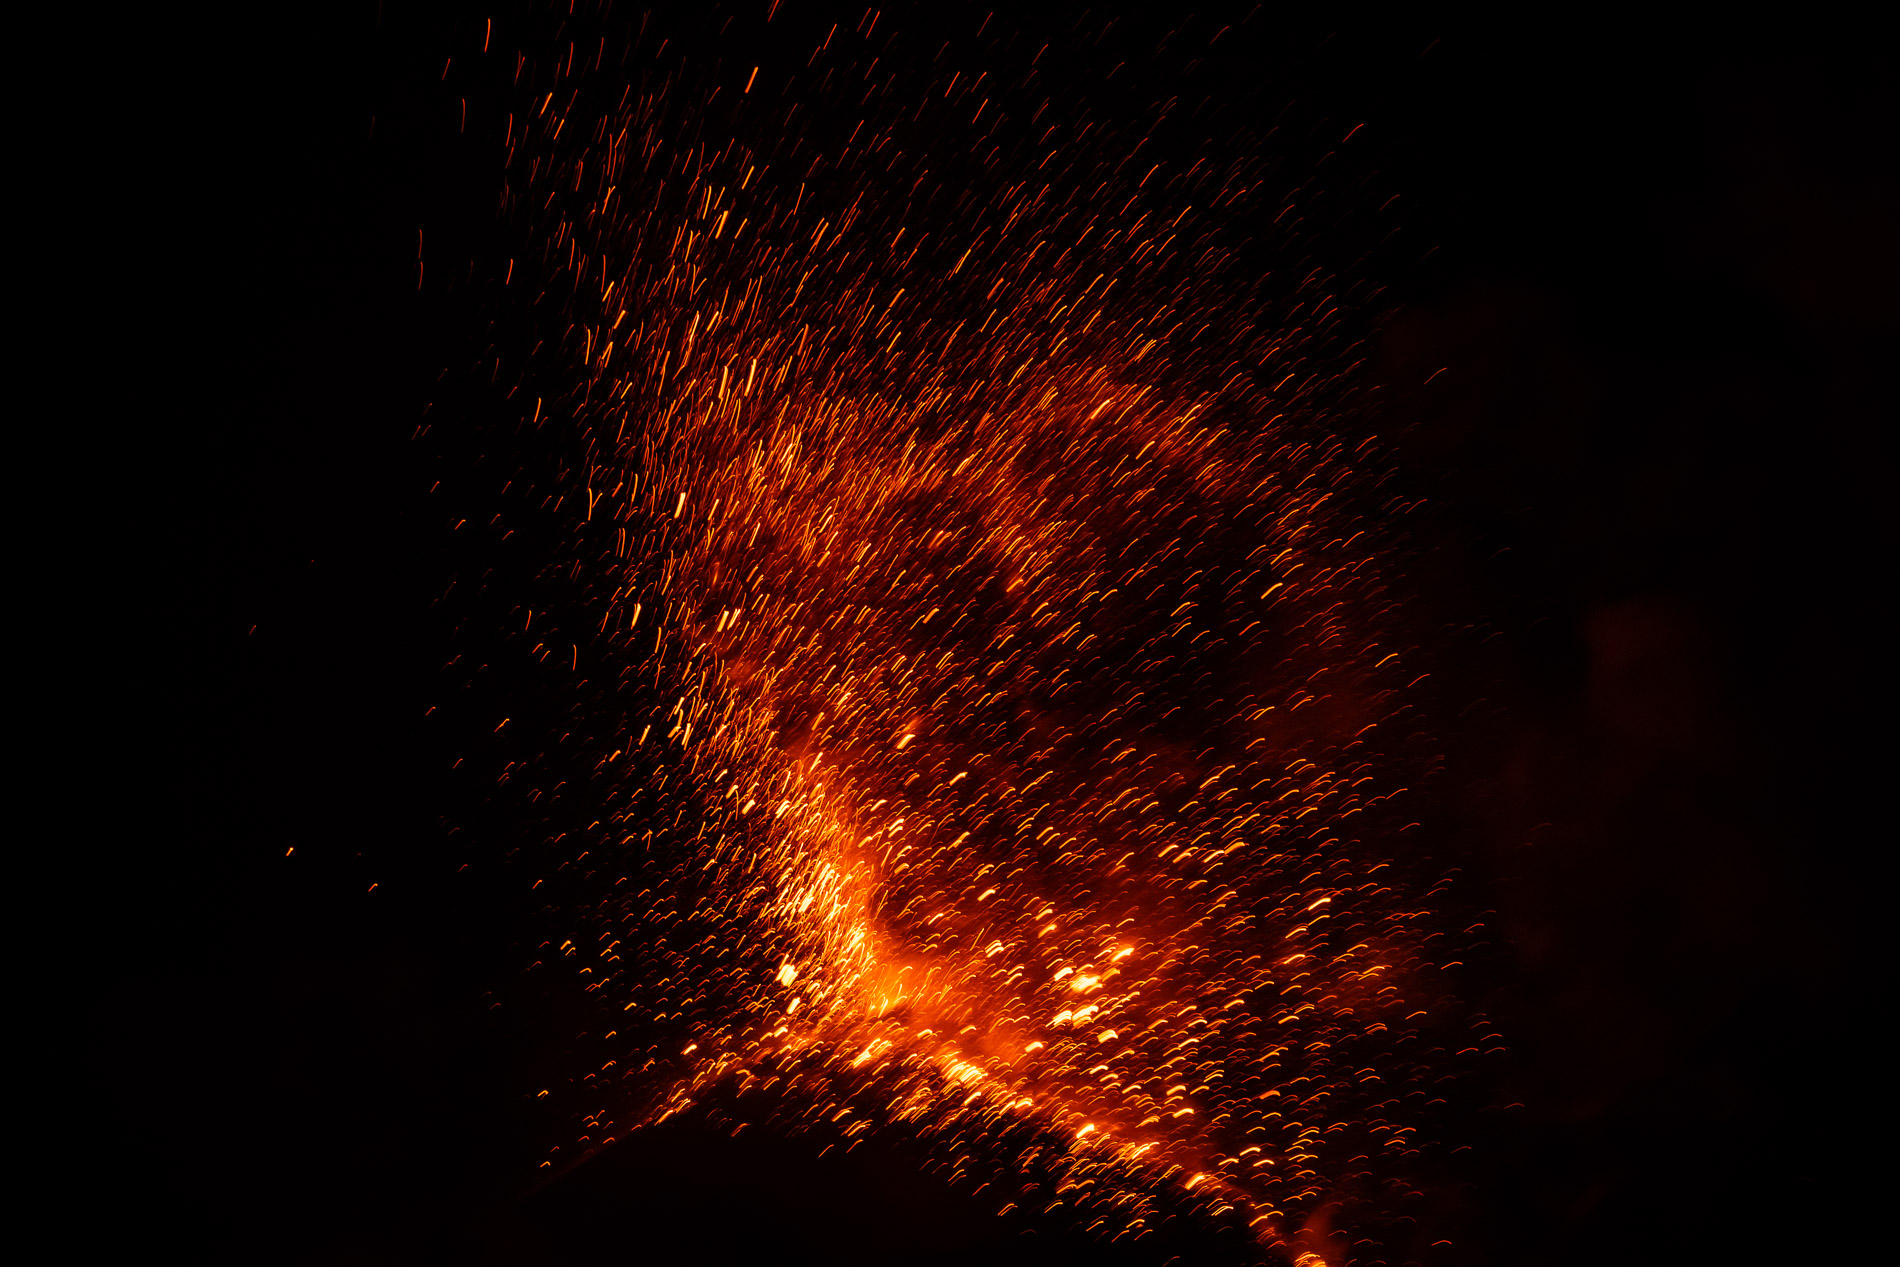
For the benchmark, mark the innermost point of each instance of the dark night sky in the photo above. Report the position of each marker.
(1657, 269)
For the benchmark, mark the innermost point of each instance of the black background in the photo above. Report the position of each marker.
(1648, 274)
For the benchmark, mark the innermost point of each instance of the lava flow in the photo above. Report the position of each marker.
(1009, 734)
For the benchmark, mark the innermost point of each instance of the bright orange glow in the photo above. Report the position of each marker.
(1017, 727)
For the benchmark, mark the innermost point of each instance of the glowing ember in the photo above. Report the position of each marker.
(1007, 722)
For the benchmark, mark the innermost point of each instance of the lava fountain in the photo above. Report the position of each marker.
(1008, 734)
